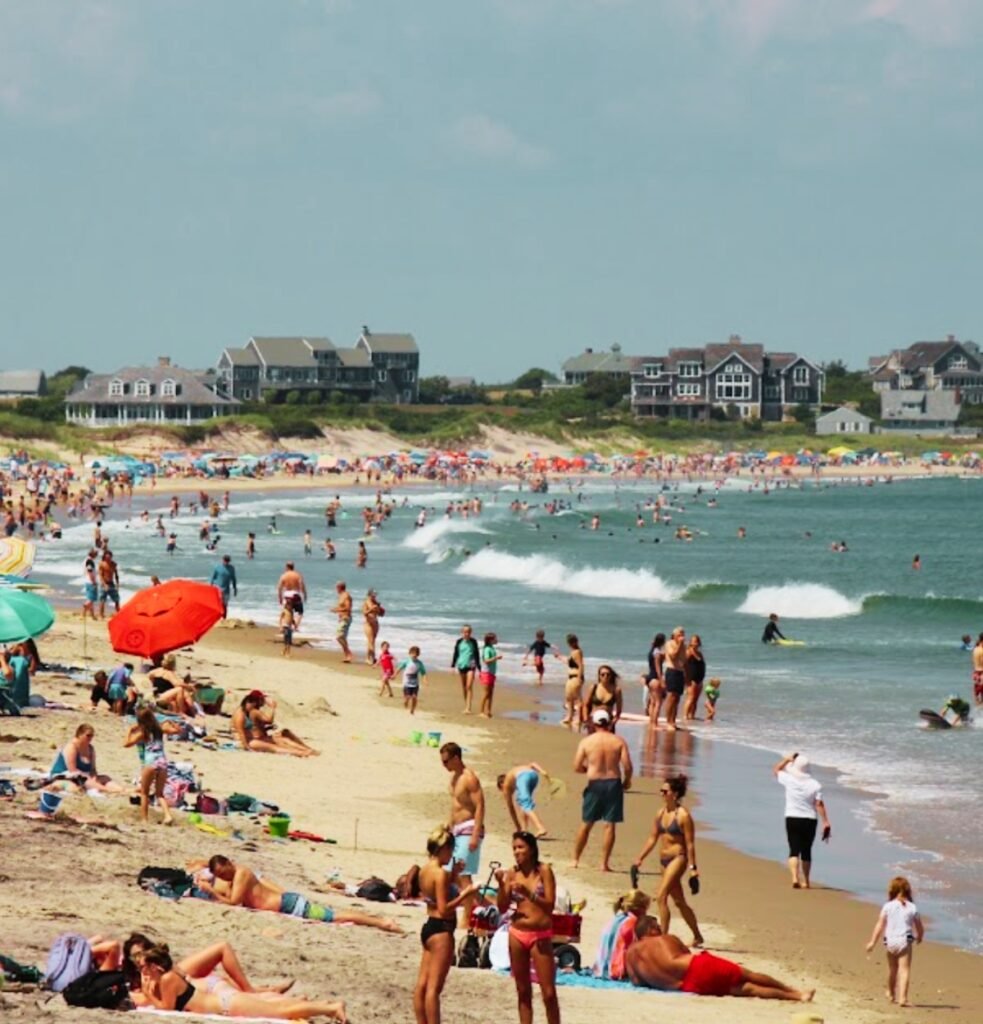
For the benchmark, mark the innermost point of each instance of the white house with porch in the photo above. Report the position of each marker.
(164, 394)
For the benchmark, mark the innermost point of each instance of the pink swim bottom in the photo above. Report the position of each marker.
(529, 939)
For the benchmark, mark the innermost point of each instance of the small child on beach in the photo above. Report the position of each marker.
(414, 672)
(387, 666)
(711, 694)
(901, 926)
(489, 672)
(287, 625)
(148, 737)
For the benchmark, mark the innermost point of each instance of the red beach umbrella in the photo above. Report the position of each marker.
(164, 618)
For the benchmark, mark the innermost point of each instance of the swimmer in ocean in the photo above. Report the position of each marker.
(772, 633)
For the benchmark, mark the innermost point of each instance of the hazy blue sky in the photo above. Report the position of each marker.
(510, 180)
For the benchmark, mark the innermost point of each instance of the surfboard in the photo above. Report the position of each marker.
(933, 719)
(631, 716)
(790, 643)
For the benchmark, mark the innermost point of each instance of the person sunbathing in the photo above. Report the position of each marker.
(252, 725)
(167, 988)
(219, 961)
(237, 886)
(664, 962)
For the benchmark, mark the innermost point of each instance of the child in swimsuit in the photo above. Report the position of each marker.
(901, 926)
(287, 621)
(489, 672)
(148, 737)
(414, 671)
(387, 666)
(711, 694)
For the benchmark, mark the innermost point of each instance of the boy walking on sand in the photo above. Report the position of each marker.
(287, 628)
(414, 672)
(900, 924)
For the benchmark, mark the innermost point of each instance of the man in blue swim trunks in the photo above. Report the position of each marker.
(518, 787)
(467, 822)
(605, 760)
(235, 885)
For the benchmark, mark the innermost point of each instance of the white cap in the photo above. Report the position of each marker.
(800, 764)
(600, 717)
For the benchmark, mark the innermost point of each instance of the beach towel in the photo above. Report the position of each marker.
(584, 979)
(184, 1015)
(605, 950)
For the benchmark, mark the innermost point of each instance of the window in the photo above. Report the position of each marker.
(117, 388)
(142, 388)
(800, 394)
(773, 392)
(409, 376)
(652, 369)
(689, 369)
(380, 375)
(734, 368)
(168, 389)
(689, 390)
(800, 375)
(734, 387)
(958, 363)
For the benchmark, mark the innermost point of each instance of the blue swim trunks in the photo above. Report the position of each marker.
(463, 852)
(525, 786)
(295, 905)
(91, 592)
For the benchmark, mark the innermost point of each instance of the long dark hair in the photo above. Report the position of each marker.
(532, 842)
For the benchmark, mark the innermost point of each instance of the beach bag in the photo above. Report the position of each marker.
(469, 951)
(12, 971)
(205, 803)
(175, 790)
(375, 889)
(168, 883)
(69, 958)
(243, 803)
(98, 990)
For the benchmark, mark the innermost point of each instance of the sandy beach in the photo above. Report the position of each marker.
(378, 796)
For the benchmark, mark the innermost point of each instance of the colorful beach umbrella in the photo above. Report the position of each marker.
(23, 615)
(16, 556)
(164, 618)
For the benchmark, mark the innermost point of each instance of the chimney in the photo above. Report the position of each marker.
(589, 351)
(365, 331)
(163, 361)
(950, 337)
(735, 339)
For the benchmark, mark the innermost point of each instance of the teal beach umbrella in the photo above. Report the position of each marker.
(23, 615)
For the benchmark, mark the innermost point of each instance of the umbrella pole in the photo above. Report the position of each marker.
(85, 642)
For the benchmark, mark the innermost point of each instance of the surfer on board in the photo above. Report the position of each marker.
(772, 632)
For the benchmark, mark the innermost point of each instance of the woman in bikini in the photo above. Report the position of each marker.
(673, 826)
(440, 892)
(530, 890)
(575, 680)
(605, 693)
(696, 671)
(166, 988)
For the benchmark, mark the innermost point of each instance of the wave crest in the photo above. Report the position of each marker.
(801, 601)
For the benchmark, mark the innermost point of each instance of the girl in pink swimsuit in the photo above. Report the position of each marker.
(530, 890)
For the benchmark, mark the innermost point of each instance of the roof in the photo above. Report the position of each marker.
(614, 361)
(912, 404)
(293, 351)
(388, 342)
(21, 381)
(352, 357)
(683, 355)
(241, 356)
(925, 353)
(845, 412)
(95, 388)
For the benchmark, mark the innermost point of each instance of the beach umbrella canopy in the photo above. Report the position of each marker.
(16, 556)
(164, 618)
(23, 615)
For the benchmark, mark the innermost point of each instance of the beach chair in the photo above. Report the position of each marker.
(8, 706)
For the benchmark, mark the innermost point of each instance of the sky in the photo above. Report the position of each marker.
(509, 180)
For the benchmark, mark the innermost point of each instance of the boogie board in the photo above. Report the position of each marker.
(790, 643)
(933, 719)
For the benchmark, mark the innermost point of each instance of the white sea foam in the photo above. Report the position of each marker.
(429, 538)
(801, 601)
(544, 573)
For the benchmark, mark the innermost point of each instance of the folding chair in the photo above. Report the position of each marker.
(8, 706)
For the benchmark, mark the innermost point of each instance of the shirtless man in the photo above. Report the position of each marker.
(343, 609)
(371, 612)
(108, 582)
(518, 787)
(674, 674)
(605, 759)
(235, 885)
(467, 819)
(252, 726)
(664, 962)
(292, 588)
(978, 670)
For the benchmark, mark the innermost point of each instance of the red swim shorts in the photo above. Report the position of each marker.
(486, 679)
(709, 975)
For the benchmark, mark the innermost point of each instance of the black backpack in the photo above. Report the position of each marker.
(99, 990)
(170, 883)
(375, 889)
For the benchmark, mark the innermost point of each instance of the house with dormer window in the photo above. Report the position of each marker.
(164, 394)
(949, 365)
(691, 382)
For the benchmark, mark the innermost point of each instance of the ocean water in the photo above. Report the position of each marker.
(882, 640)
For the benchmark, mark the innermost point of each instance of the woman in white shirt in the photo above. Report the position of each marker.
(803, 808)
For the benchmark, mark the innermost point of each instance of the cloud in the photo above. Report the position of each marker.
(481, 136)
(754, 22)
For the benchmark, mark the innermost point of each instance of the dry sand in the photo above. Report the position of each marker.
(372, 788)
